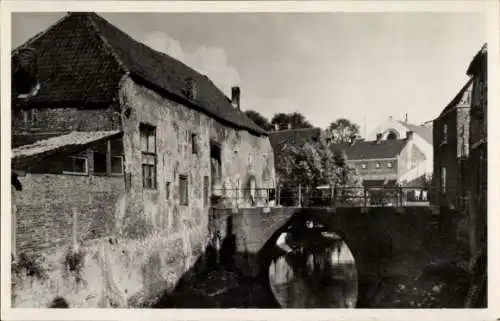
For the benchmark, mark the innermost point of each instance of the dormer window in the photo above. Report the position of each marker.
(25, 73)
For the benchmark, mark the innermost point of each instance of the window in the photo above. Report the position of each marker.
(148, 148)
(116, 147)
(377, 165)
(183, 189)
(194, 144)
(363, 166)
(75, 165)
(117, 164)
(100, 162)
(389, 165)
(205, 191)
(167, 190)
(443, 179)
(30, 117)
(445, 133)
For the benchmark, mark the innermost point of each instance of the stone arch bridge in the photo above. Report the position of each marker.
(385, 242)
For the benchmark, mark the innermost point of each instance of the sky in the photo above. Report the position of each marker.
(364, 67)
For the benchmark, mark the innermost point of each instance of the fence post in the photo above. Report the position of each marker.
(365, 201)
(300, 195)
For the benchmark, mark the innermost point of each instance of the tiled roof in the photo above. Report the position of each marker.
(293, 136)
(83, 57)
(365, 150)
(47, 147)
(423, 131)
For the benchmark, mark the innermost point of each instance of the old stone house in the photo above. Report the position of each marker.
(116, 124)
(477, 165)
(451, 150)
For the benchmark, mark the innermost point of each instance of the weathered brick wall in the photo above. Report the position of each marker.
(44, 208)
(61, 120)
(242, 155)
(448, 155)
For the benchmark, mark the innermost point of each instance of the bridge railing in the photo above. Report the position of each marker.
(327, 196)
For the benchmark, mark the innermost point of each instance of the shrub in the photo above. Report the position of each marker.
(31, 265)
(74, 262)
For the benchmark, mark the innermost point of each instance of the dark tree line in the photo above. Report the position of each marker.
(339, 132)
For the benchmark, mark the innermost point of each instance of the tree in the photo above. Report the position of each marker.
(341, 131)
(296, 120)
(313, 164)
(259, 120)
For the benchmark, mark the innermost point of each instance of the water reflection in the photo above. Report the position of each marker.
(315, 270)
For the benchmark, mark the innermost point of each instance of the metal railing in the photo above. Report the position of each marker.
(328, 196)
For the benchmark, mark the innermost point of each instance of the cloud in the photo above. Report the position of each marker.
(211, 61)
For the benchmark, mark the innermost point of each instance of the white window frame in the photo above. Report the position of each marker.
(79, 173)
(445, 133)
(363, 166)
(377, 165)
(389, 164)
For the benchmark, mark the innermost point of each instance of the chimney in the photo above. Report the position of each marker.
(409, 135)
(289, 126)
(406, 118)
(390, 117)
(379, 138)
(235, 97)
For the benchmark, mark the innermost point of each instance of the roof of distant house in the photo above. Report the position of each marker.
(65, 143)
(424, 131)
(365, 150)
(293, 136)
(83, 57)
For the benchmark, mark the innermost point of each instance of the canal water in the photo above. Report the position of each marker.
(314, 270)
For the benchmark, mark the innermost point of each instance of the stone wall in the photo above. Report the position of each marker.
(243, 155)
(44, 209)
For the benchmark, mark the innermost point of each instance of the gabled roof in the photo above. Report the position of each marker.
(454, 102)
(478, 59)
(366, 150)
(423, 131)
(65, 143)
(293, 136)
(83, 57)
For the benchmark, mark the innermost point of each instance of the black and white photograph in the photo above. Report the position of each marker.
(246, 159)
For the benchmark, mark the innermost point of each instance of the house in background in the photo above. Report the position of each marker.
(143, 123)
(451, 150)
(388, 163)
(422, 138)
